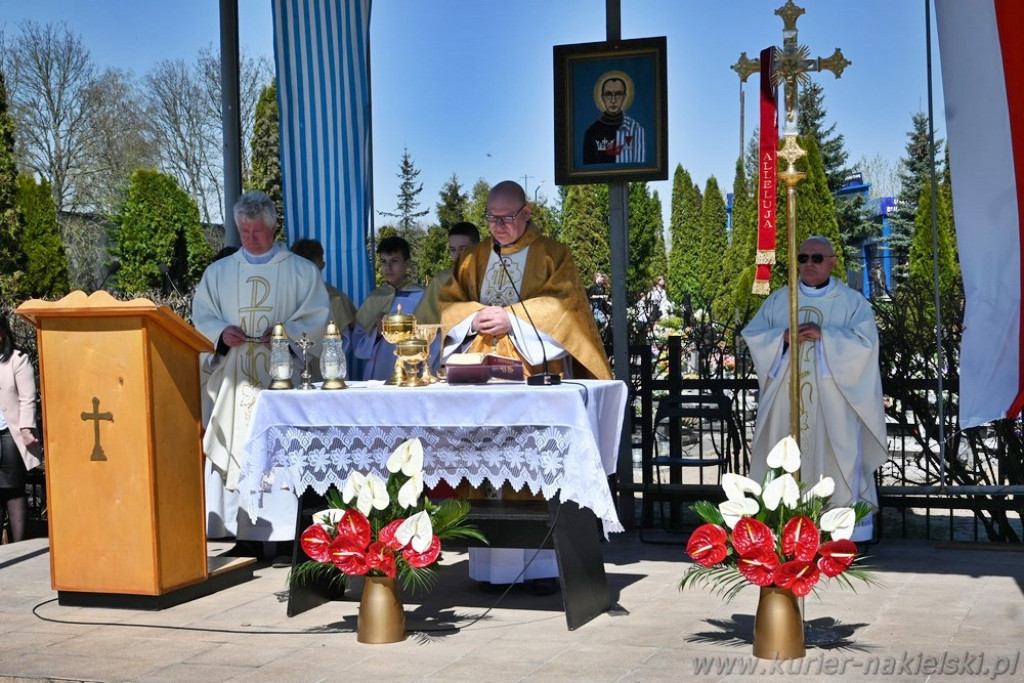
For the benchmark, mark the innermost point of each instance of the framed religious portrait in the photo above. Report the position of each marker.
(611, 112)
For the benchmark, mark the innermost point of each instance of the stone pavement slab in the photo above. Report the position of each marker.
(943, 613)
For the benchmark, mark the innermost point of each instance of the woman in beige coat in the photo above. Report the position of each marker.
(18, 438)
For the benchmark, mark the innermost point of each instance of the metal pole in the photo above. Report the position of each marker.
(939, 357)
(230, 117)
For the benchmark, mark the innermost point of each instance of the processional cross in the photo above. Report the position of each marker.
(791, 65)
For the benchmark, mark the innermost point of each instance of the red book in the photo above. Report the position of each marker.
(479, 368)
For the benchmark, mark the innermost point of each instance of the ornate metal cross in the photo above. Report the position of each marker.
(96, 416)
(792, 65)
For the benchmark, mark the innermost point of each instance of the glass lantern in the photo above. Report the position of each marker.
(280, 359)
(332, 359)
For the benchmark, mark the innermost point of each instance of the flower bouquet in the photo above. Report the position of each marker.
(780, 533)
(384, 528)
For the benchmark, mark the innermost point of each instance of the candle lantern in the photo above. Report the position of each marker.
(280, 359)
(332, 359)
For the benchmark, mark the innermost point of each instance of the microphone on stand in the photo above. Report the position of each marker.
(114, 267)
(545, 378)
(166, 270)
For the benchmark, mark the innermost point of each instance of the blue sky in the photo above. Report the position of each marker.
(467, 85)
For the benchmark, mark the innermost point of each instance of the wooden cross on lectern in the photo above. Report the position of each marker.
(791, 65)
(96, 416)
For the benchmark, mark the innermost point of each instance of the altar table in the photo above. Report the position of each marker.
(560, 441)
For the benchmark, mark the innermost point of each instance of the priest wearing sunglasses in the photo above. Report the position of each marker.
(842, 424)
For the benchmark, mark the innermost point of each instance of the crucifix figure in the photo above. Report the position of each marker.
(96, 416)
(791, 65)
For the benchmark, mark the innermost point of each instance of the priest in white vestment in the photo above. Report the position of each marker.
(480, 311)
(236, 305)
(842, 418)
(397, 292)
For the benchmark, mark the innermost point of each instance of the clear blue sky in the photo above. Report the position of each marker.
(467, 85)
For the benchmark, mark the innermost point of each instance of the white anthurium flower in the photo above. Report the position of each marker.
(784, 489)
(737, 487)
(785, 454)
(328, 518)
(410, 492)
(839, 522)
(416, 531)
(372, 495)
(352, 486)
(823, 489)
(733, 510)
(408, 458)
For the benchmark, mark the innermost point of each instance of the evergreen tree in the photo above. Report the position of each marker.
(585, 229)
(711, 246)
(477, 207)
(739, 263)
(683, 279)
(921, 266)
(46, 264)
(432, 255)
(12, 261)
(545, 220)
(159, 226)
(454, 202)
(915, 174)
(831, 145)
(646, 243)
(265, 146)
(408, 191)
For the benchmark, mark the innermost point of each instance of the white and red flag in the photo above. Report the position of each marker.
(983, 82)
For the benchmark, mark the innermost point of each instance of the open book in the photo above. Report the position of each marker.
(477, 368)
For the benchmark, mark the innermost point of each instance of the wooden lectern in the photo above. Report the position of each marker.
(123, 448)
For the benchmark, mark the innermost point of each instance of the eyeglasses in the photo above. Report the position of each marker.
(507, 220)
(814, 258)
(613, 95)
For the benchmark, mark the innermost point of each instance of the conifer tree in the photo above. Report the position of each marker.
(684, 279)
(477, 207)
(46, 264)
(408, 193)
(585, 230)
(739, 264)
(12, 261)
(265, 145)
(646, 242)
(712, 246)
(831, 145)
(453, 205)
(921, 266)
(159, 226)
(915, 173)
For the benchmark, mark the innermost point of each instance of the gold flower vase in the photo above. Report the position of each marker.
(381, 615)
(778, 625)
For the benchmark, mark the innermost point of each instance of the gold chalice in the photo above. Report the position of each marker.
(413, 353)
(397, 328)
(428, 332)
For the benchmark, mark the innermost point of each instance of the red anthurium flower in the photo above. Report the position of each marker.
(381, 558)
(348, 555)
(707, 545)
(759, 566)
(426, 558)
(800, 539)
(387, 535)
(836, 557)
(354, 525)
(749, 535)
(798, 576)
(315, 542)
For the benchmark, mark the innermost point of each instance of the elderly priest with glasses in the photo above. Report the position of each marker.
(842, 424)
(497, 288)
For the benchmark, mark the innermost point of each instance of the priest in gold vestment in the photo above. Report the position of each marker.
(481, 312)
(842, 419)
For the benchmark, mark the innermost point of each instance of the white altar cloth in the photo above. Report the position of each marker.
(553, 439)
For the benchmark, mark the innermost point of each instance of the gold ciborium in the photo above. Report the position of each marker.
(413, 354)
(428, 332)
(397, 328)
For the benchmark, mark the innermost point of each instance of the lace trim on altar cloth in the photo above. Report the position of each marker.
(545, 459)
